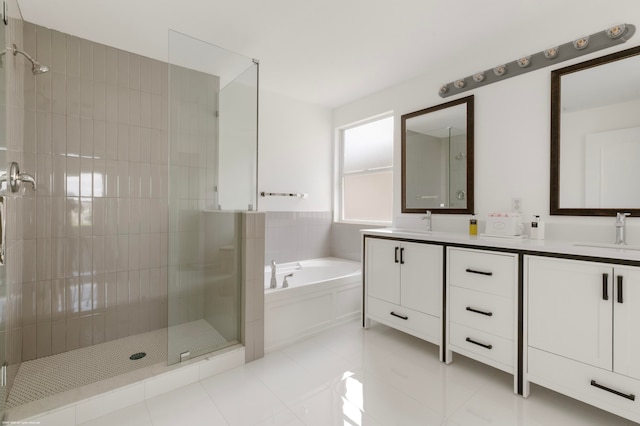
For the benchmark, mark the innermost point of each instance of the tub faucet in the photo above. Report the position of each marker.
(285, 283)
(428, 219)
(273, 283)
(621, 228)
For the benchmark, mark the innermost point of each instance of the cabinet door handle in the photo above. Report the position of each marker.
(620, 299)
(473, 271)
(484, 345)
(396, 255)
(630, 396)
(605, 286)
(402, 256)
(470, 309)
(404, 317)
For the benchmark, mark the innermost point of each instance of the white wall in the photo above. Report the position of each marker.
(295, 154)
(512, 145)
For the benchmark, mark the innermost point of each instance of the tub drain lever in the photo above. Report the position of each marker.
(285, 283)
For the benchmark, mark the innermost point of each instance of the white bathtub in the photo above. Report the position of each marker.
(322, 293)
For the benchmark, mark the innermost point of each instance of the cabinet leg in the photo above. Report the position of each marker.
(366, 322)
(448, 357)
(525, 388)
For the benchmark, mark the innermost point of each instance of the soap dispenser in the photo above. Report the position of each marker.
(473, 225)
(537, 229)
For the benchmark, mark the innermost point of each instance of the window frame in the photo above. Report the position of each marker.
(339, 175)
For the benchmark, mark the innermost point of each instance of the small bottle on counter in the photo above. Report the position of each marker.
(473, 225)
(537, 229)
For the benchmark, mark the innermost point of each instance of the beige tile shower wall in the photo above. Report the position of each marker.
(95, 233)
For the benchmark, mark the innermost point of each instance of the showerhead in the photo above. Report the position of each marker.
(36, 67)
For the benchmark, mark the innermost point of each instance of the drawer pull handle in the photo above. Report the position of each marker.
(473, 271)
(470, 309)
(630, 396)
(620, 300)
(404, 317)
(470, 340)
(402, 256)
(605, 286)
(396, 255)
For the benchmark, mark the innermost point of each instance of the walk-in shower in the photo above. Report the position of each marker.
(130, 252)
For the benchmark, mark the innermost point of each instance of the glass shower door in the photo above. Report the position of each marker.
(11, 136)
(212, 179)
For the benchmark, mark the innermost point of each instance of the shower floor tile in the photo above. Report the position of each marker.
(55, 374)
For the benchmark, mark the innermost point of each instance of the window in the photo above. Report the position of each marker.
(366, 172)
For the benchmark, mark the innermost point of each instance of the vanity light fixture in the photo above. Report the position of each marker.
(616, 31)
(500, 70)
(478, 77)
(581, 43)
(612, 36)
(524, 62)
(551, 53)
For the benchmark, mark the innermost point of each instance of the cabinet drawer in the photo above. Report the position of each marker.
(483, 271)
(417, 323)
(471, 341)
(593, 385)
(481, 311)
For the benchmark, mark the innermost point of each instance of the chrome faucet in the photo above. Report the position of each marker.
(621, 228)
(285, 283)
(273, 283)
(428, 219)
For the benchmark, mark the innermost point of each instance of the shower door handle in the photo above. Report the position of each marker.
(3, 229)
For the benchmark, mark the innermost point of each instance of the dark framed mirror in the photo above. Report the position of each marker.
(595, 136)
(437, 159)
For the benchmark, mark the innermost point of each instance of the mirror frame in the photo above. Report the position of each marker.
(556, 112)
(469, 101)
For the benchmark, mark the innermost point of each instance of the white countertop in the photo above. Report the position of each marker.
(573, 248)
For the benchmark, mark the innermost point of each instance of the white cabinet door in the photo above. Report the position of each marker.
(421, 277)
(570, 309)
(626, 308)
(383, 269)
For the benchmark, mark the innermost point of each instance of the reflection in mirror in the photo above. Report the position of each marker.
(437, 158)
(595, 136)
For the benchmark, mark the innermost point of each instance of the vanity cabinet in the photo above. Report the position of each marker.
(403, 286)
(481, 314)
(583, 337)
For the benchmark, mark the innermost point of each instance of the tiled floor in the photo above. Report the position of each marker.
(350, 376)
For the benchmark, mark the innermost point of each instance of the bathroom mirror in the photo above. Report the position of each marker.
(437, 158)
(595, 136)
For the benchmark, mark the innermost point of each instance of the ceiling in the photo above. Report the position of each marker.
(331, 52)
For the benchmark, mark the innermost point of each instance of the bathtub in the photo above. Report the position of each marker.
(322, 293)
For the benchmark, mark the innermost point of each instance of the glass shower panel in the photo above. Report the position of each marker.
(3, 170)
(212, 106)
(12, 111)
(237, 145)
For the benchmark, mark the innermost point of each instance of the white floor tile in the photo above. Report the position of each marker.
(242, 398)
(351, 376)
(284, 418)
(63, 417)
(189, 405)
(287, 379)
(328, 408)
(135, 415)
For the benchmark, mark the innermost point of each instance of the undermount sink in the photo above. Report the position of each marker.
(609, 246)
(410, 231)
